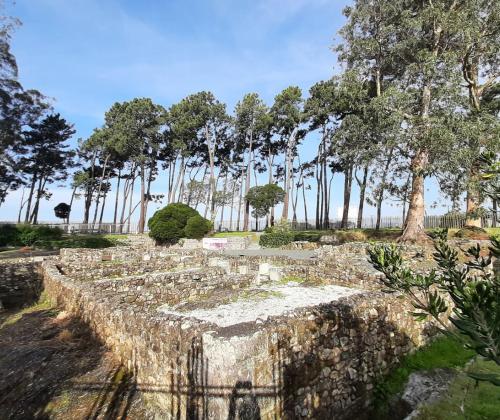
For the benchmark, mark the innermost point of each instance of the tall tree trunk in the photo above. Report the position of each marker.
(117, 195)
(240, 201)
(224, 189)
(270, 162)
(232, 205)
(414, 224)
(305, 204)
(73, 193)
(89, 192)
(171, 178)
(347, 196)
(30, 198)
(380, 194)
(177, 181)
(21, 205)
(289, 171)
(326, 196)
(142, 215)
(130, 204)
(148, 193)
(248, 174)
(99, 189)
(362, 191)
(41, 188)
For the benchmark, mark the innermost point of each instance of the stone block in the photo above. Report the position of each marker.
(264, 269)
(275, 274)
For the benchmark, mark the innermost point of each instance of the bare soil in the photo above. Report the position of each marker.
(52, 368)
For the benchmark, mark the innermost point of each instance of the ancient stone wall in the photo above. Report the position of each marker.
(314, 363)
(20, 283)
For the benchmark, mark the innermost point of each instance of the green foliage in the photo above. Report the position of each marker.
(166, 231)
(177, 221)
(28, 235)
(474, 289)
(197, 227)
(307, 236)
(279, 235)
(444, 352)
(263, 197)
(80, 241)
(9, 235)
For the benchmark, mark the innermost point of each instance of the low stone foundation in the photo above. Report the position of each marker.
(310, 361)
(20, 282)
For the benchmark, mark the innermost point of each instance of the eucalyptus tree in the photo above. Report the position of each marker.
(250, 123)
(200, 121)
(369, 50)
(320, 111)
(478, 44)
(45, 159)
(421, 61)
(287, 112)
(134, 128)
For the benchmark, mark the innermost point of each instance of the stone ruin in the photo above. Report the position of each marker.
(211, 336)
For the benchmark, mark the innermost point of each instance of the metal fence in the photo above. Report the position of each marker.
(92, 228)
(368, 222)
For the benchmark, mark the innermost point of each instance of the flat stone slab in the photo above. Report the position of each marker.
(279, 300)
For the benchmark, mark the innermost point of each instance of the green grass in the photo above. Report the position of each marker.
(295, 279)
(82, 241)
(467, 399)
(444, 352)
(232, 234)
(493, 231)
(43, 304)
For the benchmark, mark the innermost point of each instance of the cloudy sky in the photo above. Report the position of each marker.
(88, 54)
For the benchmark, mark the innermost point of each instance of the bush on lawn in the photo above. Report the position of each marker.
(197, 227)
(173, 222)
(278, 236)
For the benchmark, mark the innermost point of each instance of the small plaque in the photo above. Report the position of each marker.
(214, 243)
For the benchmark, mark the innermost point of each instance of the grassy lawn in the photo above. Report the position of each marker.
(466, 398)
(444, 352)
(254, 237)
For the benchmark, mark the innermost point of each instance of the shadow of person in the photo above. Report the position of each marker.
(243, 403)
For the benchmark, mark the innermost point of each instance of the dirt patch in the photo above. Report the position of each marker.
(52, 368)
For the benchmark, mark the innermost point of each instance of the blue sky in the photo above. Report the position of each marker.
(88, 54)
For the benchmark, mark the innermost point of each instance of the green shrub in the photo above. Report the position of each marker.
(166, 231)
(9, 235)
(28, 235)
(173, 222)
(307, 236)
(279, 235)
(197, 227)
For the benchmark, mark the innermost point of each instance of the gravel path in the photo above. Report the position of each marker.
(282, 299)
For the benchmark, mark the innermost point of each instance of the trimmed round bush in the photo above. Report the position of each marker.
(197, 227)
(166, 231)
(177, 221)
